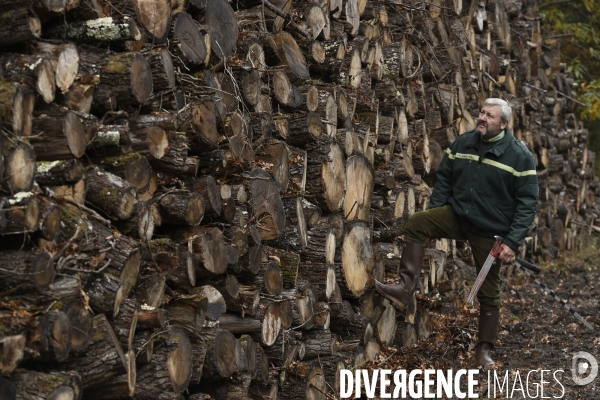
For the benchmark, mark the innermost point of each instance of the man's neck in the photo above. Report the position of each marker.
(494, 138)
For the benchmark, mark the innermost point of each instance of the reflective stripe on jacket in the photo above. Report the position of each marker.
(495, 195)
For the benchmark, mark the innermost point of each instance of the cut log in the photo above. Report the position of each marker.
(110, 140)
(50, 215)
(183, 207)
(326, 176)
(65, 62)
(286, 93)
(285, 349)
(304, 305)
(63, 134)
(58, 173)
(34, 71)
(152, 140)
(80, 321)
(222, 28)
(318, 343)
(359, 188)
(110, 193)
(207, 187)
(191, 41)
(171, 367)
(175, 160)
(17, 107)
(122, 75)
(225, 355)
(357, 259)
(133, 168)
(34, 269)
(39, 385)
(19, 25)
(305, 381)
(21, 214)
(291, 55)
(94, 370)
(109, 29)
(121, 259)
(267, 207)
(161, 66)
(20, 168)
(140, 224)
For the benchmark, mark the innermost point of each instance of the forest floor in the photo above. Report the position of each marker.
(536, 333)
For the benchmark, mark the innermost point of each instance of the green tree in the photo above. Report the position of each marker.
(576, 25)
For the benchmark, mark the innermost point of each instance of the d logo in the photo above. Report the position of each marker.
(584, 363)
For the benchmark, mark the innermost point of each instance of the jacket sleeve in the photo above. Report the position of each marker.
(443, 183)
(526, 197)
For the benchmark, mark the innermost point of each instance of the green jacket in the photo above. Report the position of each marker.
(496, 195)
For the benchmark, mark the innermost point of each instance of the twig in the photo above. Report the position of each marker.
(90, 271)
(288, 18)
(561, 93)
(67, 245)
(91, 212)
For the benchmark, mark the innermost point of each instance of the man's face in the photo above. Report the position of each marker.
(490, 123)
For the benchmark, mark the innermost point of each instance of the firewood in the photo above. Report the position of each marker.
(17, 107)
(326, 176)
(110, 193)
(19, 25)
(35, 72)
(305, 381)
(225, 355)
(303, 305)
(121, 75)
(80, 321)
(56, 173)
(31, 384)
(357, 259)
(318, 343)
(96, 371)
(108, 29)
(360, 176)
(132, 167)
(64, 133)
(161, 66)
(20, 214)
(191, 43)
(34, 269)
(285, 349)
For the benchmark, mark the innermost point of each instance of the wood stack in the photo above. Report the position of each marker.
(197, 195)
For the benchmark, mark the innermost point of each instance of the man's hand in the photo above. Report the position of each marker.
(507, 255)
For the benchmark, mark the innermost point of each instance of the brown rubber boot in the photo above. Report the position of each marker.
(410, 269)
(488, 330)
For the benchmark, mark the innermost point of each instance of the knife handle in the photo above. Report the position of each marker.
(528, 265)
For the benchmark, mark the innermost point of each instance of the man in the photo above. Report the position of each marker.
(486, 185)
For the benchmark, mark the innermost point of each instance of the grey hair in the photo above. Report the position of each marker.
(506, 109)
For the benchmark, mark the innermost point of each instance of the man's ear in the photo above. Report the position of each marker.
(503, 125)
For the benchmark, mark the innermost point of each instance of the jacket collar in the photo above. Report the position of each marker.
(499, 147)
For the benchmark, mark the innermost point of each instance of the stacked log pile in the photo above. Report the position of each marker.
(197, 195)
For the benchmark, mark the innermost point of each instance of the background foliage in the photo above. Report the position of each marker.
(575, 25)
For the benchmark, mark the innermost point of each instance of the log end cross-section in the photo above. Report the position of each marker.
(222, 27)
(334, 177)
(360, 179)
(267, 206)
(358, 259)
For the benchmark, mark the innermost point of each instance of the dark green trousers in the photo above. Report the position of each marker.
(441, 222)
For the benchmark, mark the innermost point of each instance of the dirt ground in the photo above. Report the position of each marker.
(536, 333)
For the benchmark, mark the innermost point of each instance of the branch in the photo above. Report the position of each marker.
(288, 18)
(561, 93)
